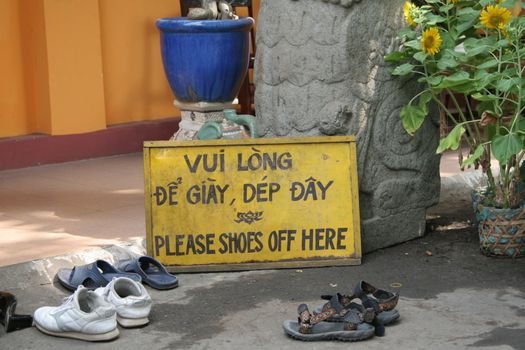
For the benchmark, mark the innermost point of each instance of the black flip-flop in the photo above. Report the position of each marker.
(8, 317)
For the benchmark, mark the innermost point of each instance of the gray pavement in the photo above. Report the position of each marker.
(452, 297)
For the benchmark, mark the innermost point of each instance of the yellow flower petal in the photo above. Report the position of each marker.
(495, 17)
(407, 7)
(431, 41)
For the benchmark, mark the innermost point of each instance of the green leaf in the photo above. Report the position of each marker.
(434, 19)
(456, 79)
(505, 84)
(504, 147)
(446, 8)
(452, 140)
(447, 62)
(407, 33)
(413, 44)
(467, 11)
(520, 124)
(467, 17)
(435, 80)
(466, 25)
(412, 118)
(491, 131)
(483, 78)
(479, 97)
(395, 56)
(502, 43)
(474, 156)
(488, 64)
(448, 40)
(474, 51)
(403, 69)
(420, 56)
(424, 99)
(508, 3)
(474, 46)
(464, 88)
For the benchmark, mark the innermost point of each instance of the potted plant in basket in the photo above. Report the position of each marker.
(473, 50)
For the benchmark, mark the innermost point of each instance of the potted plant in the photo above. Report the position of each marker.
(474, 50)
(205, 55)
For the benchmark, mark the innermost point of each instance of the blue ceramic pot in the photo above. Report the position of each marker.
(205, 60)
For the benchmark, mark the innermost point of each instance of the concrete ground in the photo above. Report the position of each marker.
(452, 297)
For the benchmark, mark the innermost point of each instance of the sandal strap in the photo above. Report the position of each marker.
(372, 303)
(353, 313)
(307, 320)
(80, 274)
(363, 288)
(386, 300)
(331, 308)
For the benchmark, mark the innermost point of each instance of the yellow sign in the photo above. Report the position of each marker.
(253, 203)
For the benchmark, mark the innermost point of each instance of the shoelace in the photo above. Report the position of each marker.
(107, 289)
(67, 300)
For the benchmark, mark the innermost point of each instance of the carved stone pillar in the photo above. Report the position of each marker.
(319, 71)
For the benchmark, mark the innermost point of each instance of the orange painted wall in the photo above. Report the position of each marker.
(35, 62)
(134, 82)
(75, 66)
(13, 115)
(76, 85)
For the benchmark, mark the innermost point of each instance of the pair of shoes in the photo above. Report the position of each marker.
(356, 323)
(99, 273)
(8, 317)
(383, 302)
(342, 318)
(93, 315)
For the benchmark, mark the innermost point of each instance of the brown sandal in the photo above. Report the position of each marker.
(357, 323)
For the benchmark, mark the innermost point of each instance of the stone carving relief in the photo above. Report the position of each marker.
(319, 71)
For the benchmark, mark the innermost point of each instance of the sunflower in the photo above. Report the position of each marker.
(431, 41)
(495, 17)
(407, 7)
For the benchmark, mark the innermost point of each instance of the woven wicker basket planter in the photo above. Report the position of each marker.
(501, 231)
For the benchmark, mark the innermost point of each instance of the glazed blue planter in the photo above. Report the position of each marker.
(205, 60)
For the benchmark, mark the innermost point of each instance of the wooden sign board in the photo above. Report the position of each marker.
(252, 203)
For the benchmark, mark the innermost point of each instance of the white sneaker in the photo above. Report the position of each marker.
(130, 299)
(84, 315)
